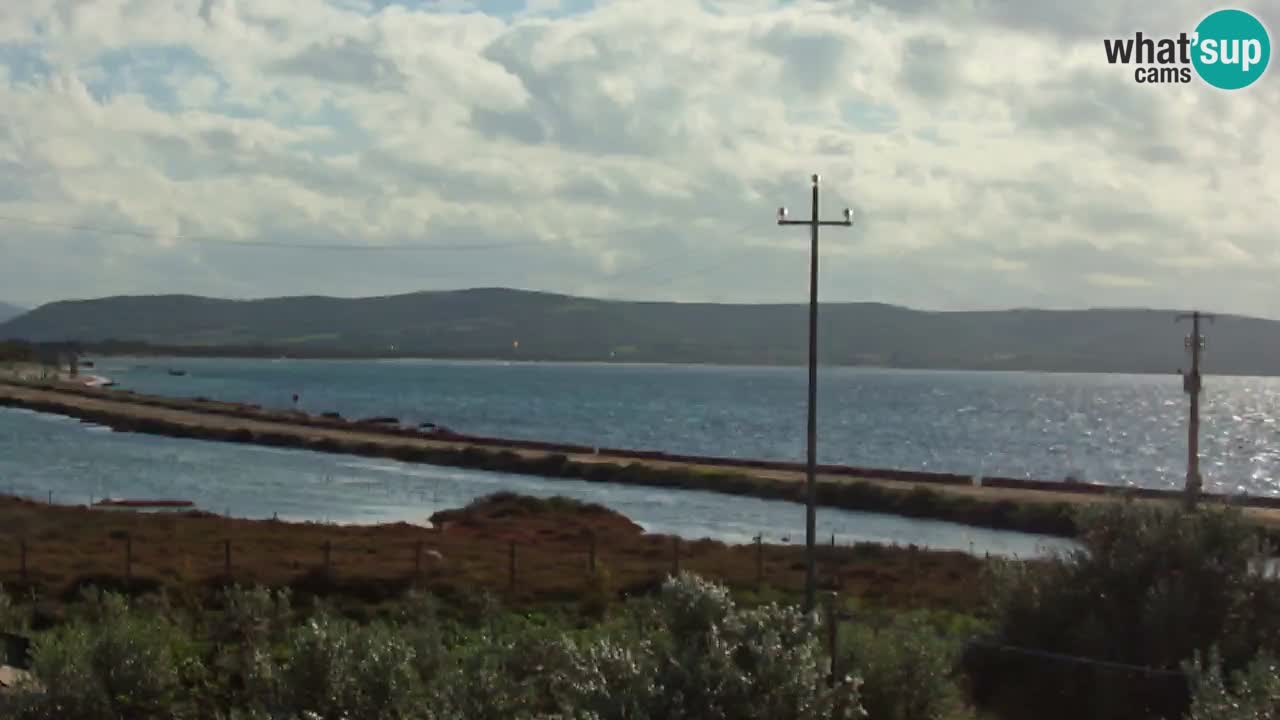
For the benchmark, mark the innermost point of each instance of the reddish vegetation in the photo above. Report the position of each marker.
(69, 547)
(528, 521)
(137, 503)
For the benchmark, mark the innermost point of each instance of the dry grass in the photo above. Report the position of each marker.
(68, 548)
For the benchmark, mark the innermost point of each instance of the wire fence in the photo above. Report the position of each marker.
(993, 667)
(342, 559)
(129, 551)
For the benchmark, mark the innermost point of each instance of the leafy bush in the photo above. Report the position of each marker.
(908, 668)
(688, 653)
(1252, 694)
(335, 669)
(126, 666)
(498, 676)
(694, 654)
(253, 616)
(13, 618)
(1149, 587)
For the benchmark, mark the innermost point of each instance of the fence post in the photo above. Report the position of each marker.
(226, 558)
(675, 556)
(759, 561)
(915, 571)
(50, 497)
(22, 552)
(511, 570)
(833, 634)
(591, 553)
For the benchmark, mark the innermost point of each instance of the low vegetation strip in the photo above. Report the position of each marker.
(1160, 614)
(1005, 508)
(565, 552)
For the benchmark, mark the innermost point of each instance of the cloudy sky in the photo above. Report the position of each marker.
(631, 149)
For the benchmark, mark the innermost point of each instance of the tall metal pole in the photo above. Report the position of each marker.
(1191, 385)
(811, 454)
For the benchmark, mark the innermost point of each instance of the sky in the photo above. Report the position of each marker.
(631, 149)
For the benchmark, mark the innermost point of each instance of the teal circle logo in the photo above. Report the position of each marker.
(1231, 49)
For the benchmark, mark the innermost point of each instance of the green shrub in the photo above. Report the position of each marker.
(598, 594)
(1149, 587)
(13, 617)
(908, 669)
(253, 616)
(1252, 694)
(694, 654)
(496, 677)
(335, 669)
(126, 666)
(688, 652)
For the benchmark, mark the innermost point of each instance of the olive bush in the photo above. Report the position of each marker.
(909, 669)
(335, 669)
(690, 652)
(13, 618)
(1252, 694)
(128, 665)
(1148, 588)
(694, 654)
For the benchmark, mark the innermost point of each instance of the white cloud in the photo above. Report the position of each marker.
(632, 148)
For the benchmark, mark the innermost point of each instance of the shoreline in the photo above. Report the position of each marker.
(1038, 507)
(294, 354)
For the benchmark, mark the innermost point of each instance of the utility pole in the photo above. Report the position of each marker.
(811, 460)
(1191, 386)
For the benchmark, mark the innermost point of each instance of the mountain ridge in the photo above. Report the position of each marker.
(504, 323)
(8, 311)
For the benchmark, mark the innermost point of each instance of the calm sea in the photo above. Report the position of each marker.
(51, 457)
(1116, 429)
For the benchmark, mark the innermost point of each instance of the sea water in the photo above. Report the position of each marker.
(1114, 429)
(47, 457)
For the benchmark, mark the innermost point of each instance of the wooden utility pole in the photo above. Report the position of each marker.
(1191, 385)
(811, 457)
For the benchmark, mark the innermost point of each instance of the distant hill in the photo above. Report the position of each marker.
(488, 323)
(8, 311)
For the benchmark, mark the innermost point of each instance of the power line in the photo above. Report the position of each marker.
(223, 242)
(811, 483)
(720, 264)
(1078, 660)
(674, 258)
(635, 274)
(1191, 385)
